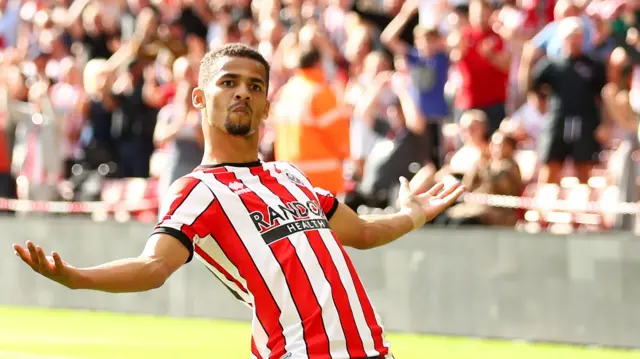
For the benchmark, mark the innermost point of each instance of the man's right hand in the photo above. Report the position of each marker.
(52, 267)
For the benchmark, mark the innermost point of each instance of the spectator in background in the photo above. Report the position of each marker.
(473, 130)
(69, 101)
(370, 96)
(84, 24)
(179, 128)
(548, 42)
(97, 141)
(575, 81)
(495, 173)
(312, 129)
(527, 123)
(483, 64)
(427, 63)
(401, 153)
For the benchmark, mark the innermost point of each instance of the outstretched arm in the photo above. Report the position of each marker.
(364, 232)
(162, 256)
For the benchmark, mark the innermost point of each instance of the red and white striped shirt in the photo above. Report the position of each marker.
(262, 229)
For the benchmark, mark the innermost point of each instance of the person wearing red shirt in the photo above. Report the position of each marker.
(483, 65)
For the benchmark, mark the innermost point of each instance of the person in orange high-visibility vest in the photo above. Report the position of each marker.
(312, 127)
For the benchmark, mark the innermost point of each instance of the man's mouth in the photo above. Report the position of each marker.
(242, 108)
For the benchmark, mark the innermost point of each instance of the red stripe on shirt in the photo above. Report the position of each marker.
(254, 349)
(220, 269)
(266, 308)
(182, 188)
(315, 337)
(315, 332)
(367, 308)
(355, 346)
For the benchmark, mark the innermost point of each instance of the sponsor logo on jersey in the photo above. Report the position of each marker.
(285, 220)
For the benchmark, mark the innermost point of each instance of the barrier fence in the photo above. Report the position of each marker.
(581, 288)
(514, 202)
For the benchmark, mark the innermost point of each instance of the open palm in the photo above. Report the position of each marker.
(432, 202)
(52, 267)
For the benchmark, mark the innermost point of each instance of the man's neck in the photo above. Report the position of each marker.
(225, 148)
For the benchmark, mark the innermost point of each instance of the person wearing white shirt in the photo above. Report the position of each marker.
(527, 122)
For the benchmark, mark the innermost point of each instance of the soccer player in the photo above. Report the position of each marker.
(272, 239)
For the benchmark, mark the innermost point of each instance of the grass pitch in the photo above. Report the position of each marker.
(62, 334)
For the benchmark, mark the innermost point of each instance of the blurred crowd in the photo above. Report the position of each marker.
(499, 94)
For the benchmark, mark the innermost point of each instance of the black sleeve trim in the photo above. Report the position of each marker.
(179, 236)
(333, 209)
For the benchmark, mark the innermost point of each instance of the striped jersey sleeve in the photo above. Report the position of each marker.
(187, 199)
(328, 201)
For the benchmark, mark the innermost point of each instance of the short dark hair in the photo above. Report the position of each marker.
(209, 61)
(309, 57)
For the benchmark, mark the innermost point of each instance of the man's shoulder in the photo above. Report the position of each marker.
(183, 185)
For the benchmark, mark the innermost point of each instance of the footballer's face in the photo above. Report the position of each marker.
(235, 99)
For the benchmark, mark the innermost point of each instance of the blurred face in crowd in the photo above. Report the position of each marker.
(572, 32)
(479, 14)
(564, 9)
(235, 99)
(427, 41)
(375, 63)
(358, 45)
(502, 147)
(182, 71)
(473, 127)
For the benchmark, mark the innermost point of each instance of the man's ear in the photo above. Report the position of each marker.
(198, 98)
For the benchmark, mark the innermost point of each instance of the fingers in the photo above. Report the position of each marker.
(453, 196)
(35, 257)
(404, 185)
(45, 264)
(57, 260)
(23, 254)
(435, 189)
(449, 190)
(33, 253)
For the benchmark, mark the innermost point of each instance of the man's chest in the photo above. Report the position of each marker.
(268, 208)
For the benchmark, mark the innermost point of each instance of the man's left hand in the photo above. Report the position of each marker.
(425, 207)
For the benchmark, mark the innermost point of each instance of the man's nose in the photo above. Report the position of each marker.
(243, 93)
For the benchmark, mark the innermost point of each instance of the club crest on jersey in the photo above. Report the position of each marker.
(293, 178)
(285, 220)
